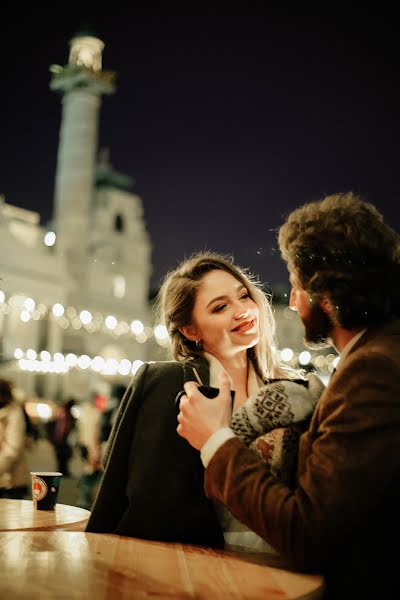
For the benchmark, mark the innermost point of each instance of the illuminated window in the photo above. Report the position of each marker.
(119, 286)
(50, 238)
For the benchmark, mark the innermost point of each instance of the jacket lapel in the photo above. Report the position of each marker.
(202, 368)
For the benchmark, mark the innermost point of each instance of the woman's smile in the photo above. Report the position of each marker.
(244, 326)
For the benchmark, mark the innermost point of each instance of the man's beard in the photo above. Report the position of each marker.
(318, 328)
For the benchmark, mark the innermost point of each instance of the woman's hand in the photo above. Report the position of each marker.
(199, 417)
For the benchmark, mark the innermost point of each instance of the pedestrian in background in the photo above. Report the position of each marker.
(14, 474)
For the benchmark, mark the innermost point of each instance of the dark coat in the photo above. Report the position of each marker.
(152, 486)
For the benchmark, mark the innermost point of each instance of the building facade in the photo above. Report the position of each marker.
(74, 310)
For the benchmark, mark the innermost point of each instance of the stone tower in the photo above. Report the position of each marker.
(82, 82)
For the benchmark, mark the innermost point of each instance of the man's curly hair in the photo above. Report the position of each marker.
(341, 246)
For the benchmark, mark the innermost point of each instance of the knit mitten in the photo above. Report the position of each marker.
(277, 404)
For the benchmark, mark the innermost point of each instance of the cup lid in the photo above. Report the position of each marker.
(55, 473)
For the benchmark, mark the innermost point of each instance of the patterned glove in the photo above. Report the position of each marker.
(279, 449)
(277, 404)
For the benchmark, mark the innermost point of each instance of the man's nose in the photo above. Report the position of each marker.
(293, 299)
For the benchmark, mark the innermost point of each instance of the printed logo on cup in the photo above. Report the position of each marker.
(39, 488)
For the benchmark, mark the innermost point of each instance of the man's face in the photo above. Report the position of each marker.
(317, 323)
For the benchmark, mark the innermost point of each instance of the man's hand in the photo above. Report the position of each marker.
(200, 417)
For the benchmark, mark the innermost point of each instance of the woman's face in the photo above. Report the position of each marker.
(225, 319)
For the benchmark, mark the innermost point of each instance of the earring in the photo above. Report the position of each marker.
(198, 344)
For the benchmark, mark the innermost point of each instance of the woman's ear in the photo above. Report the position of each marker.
(189, 331)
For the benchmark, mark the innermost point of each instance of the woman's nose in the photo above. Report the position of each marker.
(293, 300)
(241, 311)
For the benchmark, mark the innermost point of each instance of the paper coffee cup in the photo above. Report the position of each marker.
(45, 486)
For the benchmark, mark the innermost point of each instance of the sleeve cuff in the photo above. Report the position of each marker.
(214, 442)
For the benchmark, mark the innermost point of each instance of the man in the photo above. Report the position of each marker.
(342, 517)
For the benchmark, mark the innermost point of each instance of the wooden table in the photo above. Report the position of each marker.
(62, 564)
(20, 515)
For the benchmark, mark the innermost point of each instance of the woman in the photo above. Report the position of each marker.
(14, 474)
(217, 318)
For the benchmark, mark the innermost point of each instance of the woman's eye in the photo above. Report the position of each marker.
(245, 296)
(219, 308)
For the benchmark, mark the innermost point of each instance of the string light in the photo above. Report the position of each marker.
(29, 361)
(91, 322)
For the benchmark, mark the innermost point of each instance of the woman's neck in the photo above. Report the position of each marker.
(235, 365)
(237, 370)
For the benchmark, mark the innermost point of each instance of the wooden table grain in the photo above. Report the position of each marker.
(75, 565)
(21, 515)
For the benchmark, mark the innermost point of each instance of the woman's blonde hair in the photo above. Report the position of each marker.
(176, 301)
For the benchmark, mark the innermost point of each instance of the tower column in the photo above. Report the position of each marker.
(75, 166)
(82, 83)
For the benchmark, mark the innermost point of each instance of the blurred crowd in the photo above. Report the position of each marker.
(75, 432)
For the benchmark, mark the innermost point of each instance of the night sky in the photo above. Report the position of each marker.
(225, 123)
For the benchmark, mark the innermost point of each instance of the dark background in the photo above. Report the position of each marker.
(226, 123)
